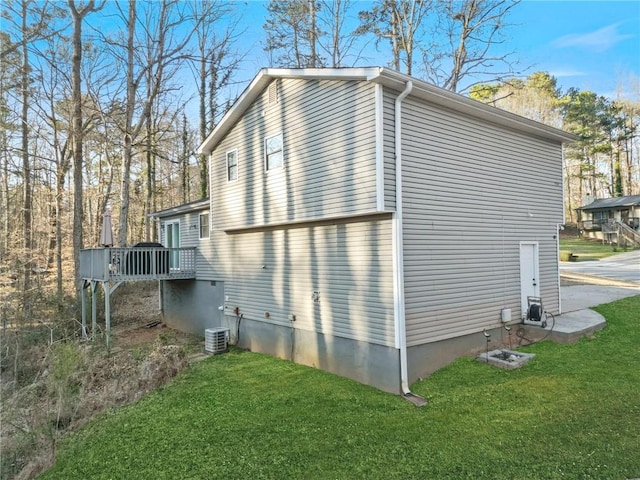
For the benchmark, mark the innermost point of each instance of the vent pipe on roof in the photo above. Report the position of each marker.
(398, 269)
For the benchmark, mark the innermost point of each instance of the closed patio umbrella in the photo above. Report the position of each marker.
(106, 234)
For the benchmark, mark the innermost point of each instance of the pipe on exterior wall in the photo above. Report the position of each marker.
(401, 328)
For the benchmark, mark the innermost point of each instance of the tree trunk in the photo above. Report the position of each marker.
(312, 33)
(185, 160)
(629, 162)
(26, 164)
(150, 174)
(76, 129)
(617, 174)
(567, 175)
(59, 202)
(127, 152)
(202, 159)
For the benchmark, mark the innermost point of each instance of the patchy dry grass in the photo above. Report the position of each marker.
(52, 385)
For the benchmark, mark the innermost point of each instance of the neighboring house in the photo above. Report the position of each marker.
(368, 223)
(611, 219)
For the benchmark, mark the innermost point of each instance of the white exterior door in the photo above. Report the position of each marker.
(529, 273)
(172, 240)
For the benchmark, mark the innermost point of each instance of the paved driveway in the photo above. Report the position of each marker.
(580, 297)
(625, 267)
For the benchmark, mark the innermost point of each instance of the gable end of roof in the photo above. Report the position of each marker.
(388, 78)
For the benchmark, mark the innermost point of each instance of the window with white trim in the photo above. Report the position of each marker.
(204, 225)
(273, 154)
(232, 166)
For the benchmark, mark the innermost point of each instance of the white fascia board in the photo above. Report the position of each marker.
(388, 78)
(262, 79)
(324, 73)
(181, 209)
(250, 93)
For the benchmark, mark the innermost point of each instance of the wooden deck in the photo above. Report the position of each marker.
(109, 267)
(137, 263)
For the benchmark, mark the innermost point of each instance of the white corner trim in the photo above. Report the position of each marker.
(379, 112)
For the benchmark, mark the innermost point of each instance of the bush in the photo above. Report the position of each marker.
(567, 256)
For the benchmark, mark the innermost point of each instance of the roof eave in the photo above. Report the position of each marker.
(180, 209)
(262, 79)
(389, 78)
(460, 103)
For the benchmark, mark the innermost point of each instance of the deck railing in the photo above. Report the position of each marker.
(602, 223)
(137, 263)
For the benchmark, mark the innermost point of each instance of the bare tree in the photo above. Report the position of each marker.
(398, 21)
(184, 159)
(337, 43)
(471, 29)
(9, 126)
(26, 162)
(37, 30)
(292, 33)
(215, 63)
(24, 22)
(164, 50)
(55, 85)
(78, 11)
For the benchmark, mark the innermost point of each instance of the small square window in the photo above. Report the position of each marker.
(204, 225)
(273, 152)
(232, 166)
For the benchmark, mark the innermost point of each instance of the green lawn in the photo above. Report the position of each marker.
(588, 249)
(572, 412)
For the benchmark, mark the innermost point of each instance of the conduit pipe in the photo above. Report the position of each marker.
(401, 328)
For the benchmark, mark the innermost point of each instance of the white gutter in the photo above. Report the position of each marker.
(398, 270)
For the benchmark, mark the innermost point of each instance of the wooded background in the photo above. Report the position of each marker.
(104, 103)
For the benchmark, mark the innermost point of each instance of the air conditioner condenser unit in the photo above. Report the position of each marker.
(216, 340)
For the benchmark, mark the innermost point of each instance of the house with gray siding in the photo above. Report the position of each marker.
(614, 220)
(367, 223)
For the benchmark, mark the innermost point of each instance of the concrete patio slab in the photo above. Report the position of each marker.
(577, 320)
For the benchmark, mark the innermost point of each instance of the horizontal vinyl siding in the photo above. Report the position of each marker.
(209, 258)
(188, 236)
(328, 133)
(349, 264)
(471, 193)
(389, 97)
(207, 262)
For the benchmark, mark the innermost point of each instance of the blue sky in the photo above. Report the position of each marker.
(591, 45)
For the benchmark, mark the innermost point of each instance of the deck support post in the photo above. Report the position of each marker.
(111, 266)
(107, 312)
(160, 296)
(94, 309)
(108, 289)
(83, 300)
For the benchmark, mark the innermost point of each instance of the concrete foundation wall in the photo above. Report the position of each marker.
(192, 305)
(427, 358)
(371, 364)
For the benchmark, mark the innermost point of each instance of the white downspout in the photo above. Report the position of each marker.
(401, 328)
